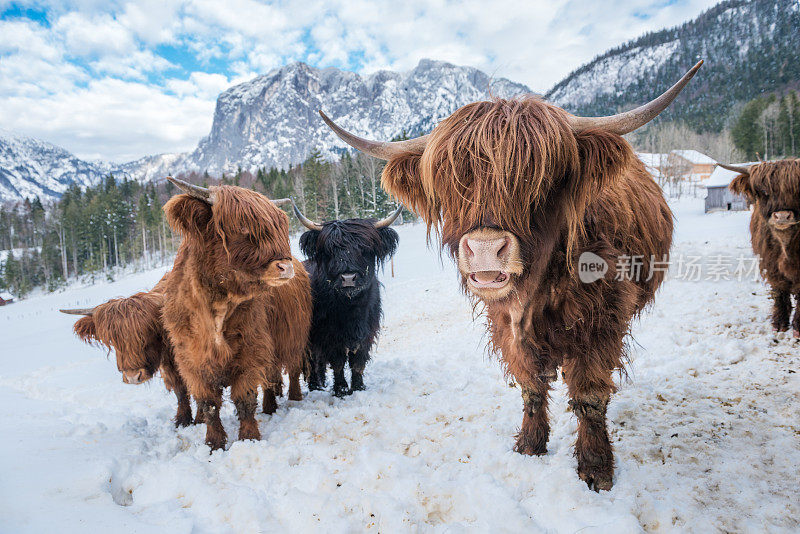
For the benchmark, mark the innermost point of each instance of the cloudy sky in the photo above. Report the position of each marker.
(120, 80)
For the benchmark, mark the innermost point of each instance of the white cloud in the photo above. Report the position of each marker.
(94, 36)
(112, 119)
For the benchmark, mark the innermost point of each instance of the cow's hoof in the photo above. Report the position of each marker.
(795, 333)
(597, 478)
(249, 430)
(216, 440)
(342, 391)
(183, 419)
(780, 328)
(530, 447)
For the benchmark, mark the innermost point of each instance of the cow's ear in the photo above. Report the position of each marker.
(85, 329)
(187, 216)
(308, 243)
(742, 185)
(388, 245)
(402, 179)
(604, 156)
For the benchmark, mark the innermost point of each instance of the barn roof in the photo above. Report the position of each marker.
(6, 296)
(723, 177)
(652, 159)
(695, 157)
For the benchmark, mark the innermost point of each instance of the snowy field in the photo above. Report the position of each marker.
(706, 430)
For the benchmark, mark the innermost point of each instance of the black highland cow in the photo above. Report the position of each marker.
(343, 257)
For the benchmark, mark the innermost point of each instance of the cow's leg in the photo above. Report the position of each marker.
(796, 320)
(199, 417)
(184, 415)
(535, 431)
(269, 404)
(338, 360)
(246, 403)
(588, 376)
(209, 401)
(174, 383)
(272, 389)
(781, 310)
(295, 394)
(318, 370)
(358, 362)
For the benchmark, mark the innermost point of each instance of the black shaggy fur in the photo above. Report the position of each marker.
(342, 261)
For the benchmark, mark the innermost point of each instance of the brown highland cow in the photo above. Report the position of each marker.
(238, 306)
(132, 327)
(518, 190)
(773, 187)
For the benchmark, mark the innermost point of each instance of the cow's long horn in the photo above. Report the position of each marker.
(281, 201)
(378, 149)
(629, 121)
(192, 190)
(735, 168)
(78, 311)
(308, 223)
(387, 221)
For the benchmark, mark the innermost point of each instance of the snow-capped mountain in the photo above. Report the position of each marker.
(749, 46)
(269, 121)
(31, 167)
(273, 120)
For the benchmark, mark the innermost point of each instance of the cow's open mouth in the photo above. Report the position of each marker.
(488, 279)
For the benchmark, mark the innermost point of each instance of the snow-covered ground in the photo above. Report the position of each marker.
(706, 430)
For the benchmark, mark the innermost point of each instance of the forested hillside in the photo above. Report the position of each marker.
(750, 47)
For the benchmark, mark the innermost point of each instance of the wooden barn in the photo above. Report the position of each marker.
(6, 298)
(691, 165)
(719, 197)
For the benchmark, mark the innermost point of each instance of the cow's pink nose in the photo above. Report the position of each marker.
(488, 248)
(286, 269)
(132, 377)
(783, 217)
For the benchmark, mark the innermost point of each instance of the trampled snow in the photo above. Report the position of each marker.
(705, 431)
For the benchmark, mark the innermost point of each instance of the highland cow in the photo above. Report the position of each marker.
(773, 187)
(132, 327)
(518, 190)
(343, 257)
(238, 305)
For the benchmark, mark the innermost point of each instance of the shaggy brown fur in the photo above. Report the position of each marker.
(774, 187)
(516, 168)
(289, 320)
(232, 316)
(132, 328)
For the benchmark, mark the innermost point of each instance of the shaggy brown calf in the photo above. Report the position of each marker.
(237, 304)
(520, 192)
(132, 327)
(774, 189)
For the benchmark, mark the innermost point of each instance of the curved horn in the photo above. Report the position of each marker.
(78, 311)
(281, 201)
(629, 121)
(378, 149)
(735, 168)
(387, 221)
(308, 223)
(192, 190)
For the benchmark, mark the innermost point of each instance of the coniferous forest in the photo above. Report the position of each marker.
(119, 224)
